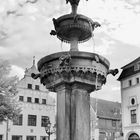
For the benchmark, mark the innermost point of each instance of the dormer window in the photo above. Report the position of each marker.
(137, 66)
(29, 86)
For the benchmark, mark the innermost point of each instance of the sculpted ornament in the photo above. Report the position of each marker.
(73, 2)
(65, 60)
(113, 71)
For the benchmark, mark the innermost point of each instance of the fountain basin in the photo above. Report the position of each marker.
(89, 69)
(78, 25)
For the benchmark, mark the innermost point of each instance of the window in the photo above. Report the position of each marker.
(133, 116)
(18, 120)
(31, 138)
(43, 101)
(137, 66)
(1, 137)
(36, 100)
(15, 137)
(137, 80)
(43, 138)
(29, 99)
(21, 98)
(32, 120)
(36, 87)
(113, 123)
(130, 83)
(113, 134)
(29, 86)
(133, 136)
(44, 120)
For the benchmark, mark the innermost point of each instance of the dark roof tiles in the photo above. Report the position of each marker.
(106, 109)
(128, 70)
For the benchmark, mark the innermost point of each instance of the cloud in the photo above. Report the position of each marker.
(29, 34)
(110, 91)
(118, 18)
(17, 71)
(105, 48)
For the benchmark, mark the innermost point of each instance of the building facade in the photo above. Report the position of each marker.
(130, 95)
(105, 120)
(36, 106)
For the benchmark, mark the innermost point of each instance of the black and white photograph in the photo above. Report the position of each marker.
(69, 69)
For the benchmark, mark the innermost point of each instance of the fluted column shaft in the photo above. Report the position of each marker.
(73, 113)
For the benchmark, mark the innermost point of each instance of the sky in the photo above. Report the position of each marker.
(25, 27)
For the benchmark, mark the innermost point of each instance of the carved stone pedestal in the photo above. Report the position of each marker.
(73, 75)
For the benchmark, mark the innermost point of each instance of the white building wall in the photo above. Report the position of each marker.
(97, 134)
(127, 93)
(37, 109)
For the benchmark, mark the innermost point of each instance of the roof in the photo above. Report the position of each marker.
(128, 70)
(131, 63)
(106, 109)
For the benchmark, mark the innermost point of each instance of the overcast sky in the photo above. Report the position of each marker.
(25, 27)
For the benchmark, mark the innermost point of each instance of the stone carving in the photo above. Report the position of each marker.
(73, 2)
(70, 73)
(96, 58)
(71, 69)
(46, 66)
(95, 25)
(56, 25)
(65, 60)
(35, 76)
(76, 18)
(53, 32)
(113, 71)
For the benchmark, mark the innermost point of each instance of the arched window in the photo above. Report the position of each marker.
(133, 136)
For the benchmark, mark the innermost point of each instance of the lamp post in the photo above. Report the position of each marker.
(48, 130)
(7, 128)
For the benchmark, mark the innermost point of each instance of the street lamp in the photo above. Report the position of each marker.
(48, 130)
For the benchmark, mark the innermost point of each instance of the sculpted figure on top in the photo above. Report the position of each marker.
(73, 2)
(74, 5)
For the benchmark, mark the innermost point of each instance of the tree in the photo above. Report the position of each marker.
(9, 108)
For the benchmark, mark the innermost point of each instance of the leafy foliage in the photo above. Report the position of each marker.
(9, 108)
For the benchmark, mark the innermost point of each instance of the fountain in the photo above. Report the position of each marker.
(73, 74)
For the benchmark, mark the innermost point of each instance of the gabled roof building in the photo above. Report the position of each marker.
(106, 122)
(36, 105)
(130, 96)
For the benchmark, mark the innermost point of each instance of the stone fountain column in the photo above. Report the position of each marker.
(73, 121)
(73, 75)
